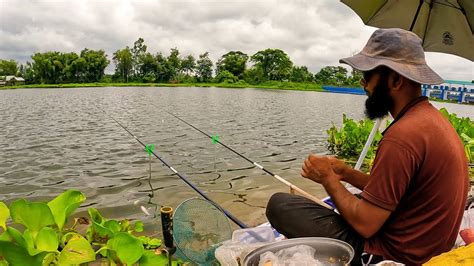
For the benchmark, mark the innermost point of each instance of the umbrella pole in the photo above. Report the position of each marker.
(368, 143)
(416, 15)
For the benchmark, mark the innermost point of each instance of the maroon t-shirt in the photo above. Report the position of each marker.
(420, 174)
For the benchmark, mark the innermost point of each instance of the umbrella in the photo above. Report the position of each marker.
(445, 26)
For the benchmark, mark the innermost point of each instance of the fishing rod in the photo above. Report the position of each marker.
(279, 178)
(184, 178)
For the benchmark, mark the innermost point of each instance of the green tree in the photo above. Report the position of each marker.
(300, 74)
(8, 67)
(123, 63)
(204, 67)
(174, 63)
(69, 68)
(163, 73)
(48, 67)
(93, 64)
(234, 61)
(148, 67)
(354, 79)
(254, 75)
(275, 64)
(226, 77)
(188, 64)
(138, 51)
(27, 72)
(332, 75)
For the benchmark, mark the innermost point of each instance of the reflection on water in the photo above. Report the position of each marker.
(55, 139)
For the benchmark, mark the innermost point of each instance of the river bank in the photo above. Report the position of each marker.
(266, 85)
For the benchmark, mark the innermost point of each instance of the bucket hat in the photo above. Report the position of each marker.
(399, 50)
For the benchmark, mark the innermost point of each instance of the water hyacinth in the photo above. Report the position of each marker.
(46, 240)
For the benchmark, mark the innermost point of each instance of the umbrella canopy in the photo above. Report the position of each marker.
(445, 26)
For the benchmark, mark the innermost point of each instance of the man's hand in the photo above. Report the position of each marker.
(338, 166)
(319, 169)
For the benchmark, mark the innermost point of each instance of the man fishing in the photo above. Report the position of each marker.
(412, 202)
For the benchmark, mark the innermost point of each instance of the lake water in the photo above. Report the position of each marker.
(56, 139)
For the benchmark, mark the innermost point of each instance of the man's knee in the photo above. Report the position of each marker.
(274, 205)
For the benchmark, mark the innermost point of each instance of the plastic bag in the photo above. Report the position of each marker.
(253, 235)
(244, 241)
(467, 227)
(294, 256)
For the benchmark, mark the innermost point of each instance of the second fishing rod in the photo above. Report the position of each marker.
(182, 177)
(279, 178)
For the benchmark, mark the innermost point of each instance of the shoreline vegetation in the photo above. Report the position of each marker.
(280, 85)
(136, 66)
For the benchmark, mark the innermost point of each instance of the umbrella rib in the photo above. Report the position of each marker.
(427, 21)
(449, 4)
(416, 15)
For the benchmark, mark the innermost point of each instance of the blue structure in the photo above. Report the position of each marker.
(460, 91)
(358, 91)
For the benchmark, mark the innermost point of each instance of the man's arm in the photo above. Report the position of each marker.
(362, 215)
(354, 177)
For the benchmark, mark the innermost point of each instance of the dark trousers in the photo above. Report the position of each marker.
(297, 216)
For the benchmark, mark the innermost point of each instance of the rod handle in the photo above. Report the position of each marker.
(166, 214)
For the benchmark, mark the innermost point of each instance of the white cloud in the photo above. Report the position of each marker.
(313, 33)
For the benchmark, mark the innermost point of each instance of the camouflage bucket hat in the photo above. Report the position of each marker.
(399, 50)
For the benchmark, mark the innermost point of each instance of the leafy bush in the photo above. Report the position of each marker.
(45, 241)
(465, 129)
(226, 77)
(348, 141)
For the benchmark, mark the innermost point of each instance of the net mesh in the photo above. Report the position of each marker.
(198, 228)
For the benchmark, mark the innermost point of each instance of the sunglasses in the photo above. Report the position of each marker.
(366, 76)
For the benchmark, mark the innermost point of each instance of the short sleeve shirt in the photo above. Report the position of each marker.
(420, 174)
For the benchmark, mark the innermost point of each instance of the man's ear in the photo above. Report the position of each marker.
(395, 80)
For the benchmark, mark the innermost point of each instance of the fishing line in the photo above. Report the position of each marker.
(292, 187)
(184, 178)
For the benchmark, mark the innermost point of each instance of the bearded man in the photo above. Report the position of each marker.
(412, 202)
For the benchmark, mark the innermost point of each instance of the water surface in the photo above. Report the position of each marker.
(55, 139)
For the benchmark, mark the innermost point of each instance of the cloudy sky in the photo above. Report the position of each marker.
(314, 33)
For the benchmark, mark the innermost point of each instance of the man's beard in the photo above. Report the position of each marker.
(380, 102)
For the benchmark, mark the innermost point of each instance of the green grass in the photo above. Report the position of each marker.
(266, 85)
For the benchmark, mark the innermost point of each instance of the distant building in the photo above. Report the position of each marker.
(12, 81)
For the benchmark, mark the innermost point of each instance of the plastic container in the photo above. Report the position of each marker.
(328, 250)
(253, 235)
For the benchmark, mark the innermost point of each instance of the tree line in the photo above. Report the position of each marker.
(136, 64)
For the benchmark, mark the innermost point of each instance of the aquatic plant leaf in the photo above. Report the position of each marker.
(16, 236)
(128, 248)
(49, 259)
(113, 226)
(4, 215)
(16, 255)
(98, 233)
(125, 225)
(138, 226)
(65, 204)
(154, 243)
(34, 215)
(96, 216)
(149, 258)
(77, 251)
(30, 243)
(47, 239)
